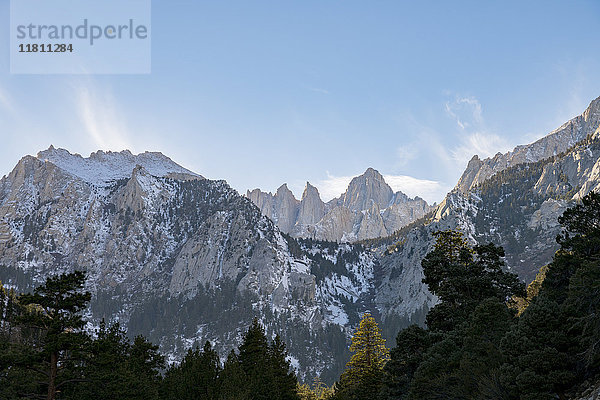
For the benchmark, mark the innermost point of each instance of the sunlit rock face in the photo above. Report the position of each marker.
(368, 209)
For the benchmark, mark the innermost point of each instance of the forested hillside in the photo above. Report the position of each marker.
(486, 338)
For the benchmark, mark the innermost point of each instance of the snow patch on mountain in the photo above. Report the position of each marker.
(103, 167)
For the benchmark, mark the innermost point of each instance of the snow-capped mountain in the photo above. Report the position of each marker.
(176, 257)
(183, 259)
(368, 209)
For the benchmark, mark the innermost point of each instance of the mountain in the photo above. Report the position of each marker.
(513, 200)
(182, 259)
(556, 142)
(368, 209)
(178, 258)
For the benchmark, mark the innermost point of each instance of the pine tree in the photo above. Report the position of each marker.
(54, 315)
(144, 363)
(538, 353)
(305, 392)
(555, 344)
(16, 380)
(321, 390)
(260, 370)
(411, 345)
(363, 375)
(253, 358)
(284, 380)
(232, 380)
(105, 370)
(196, 377)
(462, 277)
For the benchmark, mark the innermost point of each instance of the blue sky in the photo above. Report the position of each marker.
(261, 93)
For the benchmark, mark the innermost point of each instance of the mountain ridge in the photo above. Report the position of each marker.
(183, 259)
(369, 208)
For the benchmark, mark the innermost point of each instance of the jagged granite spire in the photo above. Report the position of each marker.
(369, 208)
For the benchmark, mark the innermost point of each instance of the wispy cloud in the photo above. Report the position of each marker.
(104, 126)
(406, 153)
(467, 111)
(480, 143)
(332, 186)
(6, 102)
(319, 90)
(475, 137)
(432, 191)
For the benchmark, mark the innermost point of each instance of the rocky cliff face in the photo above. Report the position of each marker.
(368, 209)
(178, 258)
(182, 259)
(554, 143)
(513, 200)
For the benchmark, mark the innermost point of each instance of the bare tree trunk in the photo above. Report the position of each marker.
(53, 372)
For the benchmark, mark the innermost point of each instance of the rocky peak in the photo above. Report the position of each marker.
(284, 191)
(592, 113)
(310, 192)
(312, 207)
(368, 186)
(285, 208)
(556, 142)
(102, 167)
(369, 208)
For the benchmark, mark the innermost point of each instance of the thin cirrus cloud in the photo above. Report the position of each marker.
(6, 102)
(104, 126)
(319, 90)
(481, 144)
(466, 111)
(475, 138)
(432, 191)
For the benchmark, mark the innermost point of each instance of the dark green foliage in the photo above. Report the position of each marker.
(145, 362)
(476, 348)
(458, 356)
(284, 381)
(196, 377)
(117, 369)
(56, 342)
(43, 347)
(105, 371)
(232, 381)
(411, 345)
(555, 344)
(463, 277)
(264, 366)
(538, 353)
(260, 367)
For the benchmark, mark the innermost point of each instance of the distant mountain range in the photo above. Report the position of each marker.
(368, 209)
(183, 259)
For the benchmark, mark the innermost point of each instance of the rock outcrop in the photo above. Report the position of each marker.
(513, 200)
(176, 257)
(554, 143)
(368, 209)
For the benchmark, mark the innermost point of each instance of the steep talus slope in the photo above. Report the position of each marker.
(178, 258)
(368, 209)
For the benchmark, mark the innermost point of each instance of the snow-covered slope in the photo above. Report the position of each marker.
(102, 167)
(178, 258)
